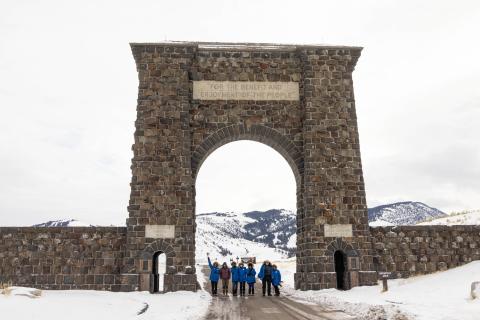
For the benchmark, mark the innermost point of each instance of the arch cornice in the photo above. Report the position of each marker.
(158, 245)
(340, 244)
(258, 133)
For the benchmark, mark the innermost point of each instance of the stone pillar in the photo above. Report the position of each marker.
(162, 183)
(334, 192)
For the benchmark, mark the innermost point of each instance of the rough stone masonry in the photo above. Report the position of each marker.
(192, 99)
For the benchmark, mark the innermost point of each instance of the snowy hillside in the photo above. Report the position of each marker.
(269, 234)
(467, 217)
(402, 213)
(63, 223)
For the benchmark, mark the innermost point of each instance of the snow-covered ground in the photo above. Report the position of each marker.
(21, 303)
(439, 296)
(470, 217)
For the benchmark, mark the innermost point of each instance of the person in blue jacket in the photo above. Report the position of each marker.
(235, 278)
(276, 280)
(251, 279)
(214, 275)
(242, 278)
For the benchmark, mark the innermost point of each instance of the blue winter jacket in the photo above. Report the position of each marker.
(251, 275)
(260, 274)
(242, 274)
(276, 277)
(235, 274)
(214, 271)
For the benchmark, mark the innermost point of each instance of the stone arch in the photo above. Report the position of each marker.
(340, 245)
(159, 246)
(258, 133)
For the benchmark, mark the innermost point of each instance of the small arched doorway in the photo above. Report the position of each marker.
(340, 259)
(159, 267)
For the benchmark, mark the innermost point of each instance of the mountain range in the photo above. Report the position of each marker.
(272, 234)
(258, 233)
(402, 213)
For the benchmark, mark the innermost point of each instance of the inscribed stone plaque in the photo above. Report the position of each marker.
(160, 231)
(338, 230)
(245, 90)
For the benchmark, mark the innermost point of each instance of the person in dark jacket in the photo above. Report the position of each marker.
(276, 280)
(235, 278)
(214, 275)
(225, 276)
(265, 275)
(242, 278)
(251, 279)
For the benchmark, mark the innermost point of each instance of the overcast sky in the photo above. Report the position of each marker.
(68, 88)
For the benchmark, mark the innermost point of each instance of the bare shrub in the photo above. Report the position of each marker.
(37, 293)
(5, 288)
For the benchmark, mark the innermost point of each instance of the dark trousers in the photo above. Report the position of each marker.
(234, 287)
(251, 288)
(267, 285)
(277, 290)
(242, 288)
(214, 287)
(225, 286)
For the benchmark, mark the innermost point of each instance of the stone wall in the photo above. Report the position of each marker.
(65, 258)
(412, 250)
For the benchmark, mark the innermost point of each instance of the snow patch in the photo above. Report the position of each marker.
(89, 304)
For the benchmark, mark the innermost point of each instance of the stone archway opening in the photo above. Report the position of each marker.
(244, 176)
(339, 258)
(159, 268)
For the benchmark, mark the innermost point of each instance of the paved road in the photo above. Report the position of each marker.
(267, 308)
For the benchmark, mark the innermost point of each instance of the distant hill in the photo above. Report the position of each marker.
(467, 217)
(402, 213)
(63, 223)
(264, 234)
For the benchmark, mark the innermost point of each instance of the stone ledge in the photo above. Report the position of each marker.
(243, 46)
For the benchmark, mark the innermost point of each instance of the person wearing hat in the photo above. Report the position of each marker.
(214, 275)
(276, 279)
(265, 275)
(242, 278)
(225, 276)
(251, 279)
(235, 278)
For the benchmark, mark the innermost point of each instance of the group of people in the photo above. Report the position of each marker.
(241, 275)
